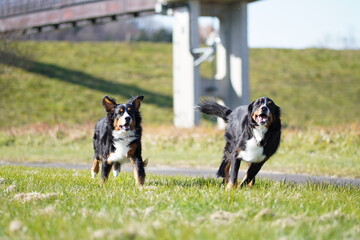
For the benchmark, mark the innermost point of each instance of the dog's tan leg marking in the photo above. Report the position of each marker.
(249, 178)
(244, 181)
(252, 182)
(138, 179)
(230, 186)
(95, 168)
(227, 169)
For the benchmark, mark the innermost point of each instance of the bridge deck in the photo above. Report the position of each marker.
(38, 14)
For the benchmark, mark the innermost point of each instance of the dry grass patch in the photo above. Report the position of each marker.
(34, 196)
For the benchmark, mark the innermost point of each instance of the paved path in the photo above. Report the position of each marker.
(193, 172)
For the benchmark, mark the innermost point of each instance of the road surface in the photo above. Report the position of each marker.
(207, 173)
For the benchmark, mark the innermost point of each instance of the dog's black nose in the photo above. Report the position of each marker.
(127, 119)
(263, 108)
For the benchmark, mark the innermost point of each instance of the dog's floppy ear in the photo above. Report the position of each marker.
(250, 108)
(108, 103)
(136, 101)
(277, 112)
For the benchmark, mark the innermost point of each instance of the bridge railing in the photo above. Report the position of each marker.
(29, 16)
(10, 8)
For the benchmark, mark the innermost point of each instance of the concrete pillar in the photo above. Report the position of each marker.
(239, 54)
(231, 82)
(186, 75)
(234, 51)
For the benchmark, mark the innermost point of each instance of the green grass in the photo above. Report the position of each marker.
(319, 151)
(171, 208)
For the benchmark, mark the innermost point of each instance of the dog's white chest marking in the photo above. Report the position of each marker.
(253, 151)
(121, 143)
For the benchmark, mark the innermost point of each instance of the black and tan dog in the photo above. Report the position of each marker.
(252, 135)
(117, 138)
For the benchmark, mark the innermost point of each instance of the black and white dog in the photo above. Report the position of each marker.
(252, 135)
(117, 137)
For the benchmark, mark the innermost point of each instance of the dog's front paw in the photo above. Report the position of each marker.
(231, 186)
(116, 173)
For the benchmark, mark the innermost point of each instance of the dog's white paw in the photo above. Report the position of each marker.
(116, 173)
(93, 174)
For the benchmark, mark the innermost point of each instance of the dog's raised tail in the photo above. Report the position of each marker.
(211, 107)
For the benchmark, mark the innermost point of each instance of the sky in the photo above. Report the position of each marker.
(304, 23)
(301, 24)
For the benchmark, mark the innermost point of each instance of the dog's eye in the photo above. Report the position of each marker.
(121, 110)
(270, 102)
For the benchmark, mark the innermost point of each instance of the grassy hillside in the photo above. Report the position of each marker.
(65, 82)
(313, 86)
(59, 82)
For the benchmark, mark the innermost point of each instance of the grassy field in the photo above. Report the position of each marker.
(51, 97)
(67, 204)
(319, 151)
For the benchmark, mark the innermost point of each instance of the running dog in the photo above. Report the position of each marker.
(252, 135)
(117, 137)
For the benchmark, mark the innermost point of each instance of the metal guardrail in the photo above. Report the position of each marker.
(29, 16)
(10, 8)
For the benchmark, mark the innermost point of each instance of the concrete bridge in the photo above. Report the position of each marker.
(230, 83)
(29, 16)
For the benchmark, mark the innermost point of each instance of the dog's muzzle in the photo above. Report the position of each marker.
(263, 117)
(126, 126)
(124, 123)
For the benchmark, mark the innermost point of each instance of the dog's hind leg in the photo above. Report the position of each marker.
(139, 171)
(224, 171)
(227, 169)
(224, 167)
(116, 169)
(95, 168)
(234, 170)
(249, 178)
(221, 170)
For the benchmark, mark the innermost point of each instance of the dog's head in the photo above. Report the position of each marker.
(123, 117)
(264, 112)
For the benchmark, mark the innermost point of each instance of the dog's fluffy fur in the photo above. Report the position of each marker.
(117, 137)
(252, 135)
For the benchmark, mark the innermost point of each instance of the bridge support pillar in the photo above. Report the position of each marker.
(230, 84)
(233, 56)
(186, 76)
